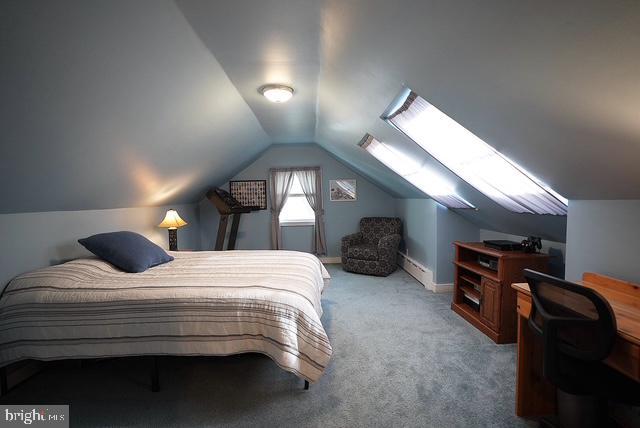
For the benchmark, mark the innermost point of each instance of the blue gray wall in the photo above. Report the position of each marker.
(341, 218)
(429, 233)
(430, 230)
(114, 104)
(450, 227)
(604, 237)
(419, 219)
(35, 240)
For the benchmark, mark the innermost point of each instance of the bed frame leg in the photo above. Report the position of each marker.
(155, 378)
(3, 381)
(306, 385)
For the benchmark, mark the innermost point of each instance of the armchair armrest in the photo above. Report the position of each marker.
(354, 238)
(388, 247)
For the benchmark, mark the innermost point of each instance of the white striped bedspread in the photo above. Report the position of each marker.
(202, 303)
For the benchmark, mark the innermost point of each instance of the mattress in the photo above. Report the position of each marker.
(202, 303)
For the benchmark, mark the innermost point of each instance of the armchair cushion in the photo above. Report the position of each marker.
(363, 252)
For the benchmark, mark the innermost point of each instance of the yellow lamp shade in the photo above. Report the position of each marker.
(172, 220)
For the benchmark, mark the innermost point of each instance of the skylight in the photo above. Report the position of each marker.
(415, 173)
(472, 159)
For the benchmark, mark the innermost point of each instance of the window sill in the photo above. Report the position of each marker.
(297, 223)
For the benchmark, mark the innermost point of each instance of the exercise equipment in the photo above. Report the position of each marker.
(227, 206)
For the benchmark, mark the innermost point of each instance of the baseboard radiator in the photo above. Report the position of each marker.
(422, 274)
(331, 260)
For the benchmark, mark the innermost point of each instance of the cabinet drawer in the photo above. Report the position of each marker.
(625, 358)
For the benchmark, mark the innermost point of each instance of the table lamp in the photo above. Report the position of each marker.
(172, 222)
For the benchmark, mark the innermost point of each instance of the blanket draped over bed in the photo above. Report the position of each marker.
(202, 303)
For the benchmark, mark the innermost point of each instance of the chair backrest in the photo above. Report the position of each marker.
(374, 228)
(575, 321)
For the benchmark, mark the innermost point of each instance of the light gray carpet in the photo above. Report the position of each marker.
(401, 358)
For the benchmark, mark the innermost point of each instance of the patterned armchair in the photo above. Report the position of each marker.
(373, 250)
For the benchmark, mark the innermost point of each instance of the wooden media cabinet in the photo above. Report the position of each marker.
(483, 296)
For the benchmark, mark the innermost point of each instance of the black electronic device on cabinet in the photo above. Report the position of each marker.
(488, 262)
(503, 245)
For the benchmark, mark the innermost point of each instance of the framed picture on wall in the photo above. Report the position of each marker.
(250, 193)
(343, 190)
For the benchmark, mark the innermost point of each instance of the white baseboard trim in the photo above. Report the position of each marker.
(331, 260)
(443, 288)
(422, 274)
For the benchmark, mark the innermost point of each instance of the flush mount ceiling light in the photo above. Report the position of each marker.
(276, 93)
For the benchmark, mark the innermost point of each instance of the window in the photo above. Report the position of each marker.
(296, 210)
(415, 173)
(470, 158)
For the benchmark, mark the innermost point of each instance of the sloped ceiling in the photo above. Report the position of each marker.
(266, 41)
(553, 85)
(109, 104)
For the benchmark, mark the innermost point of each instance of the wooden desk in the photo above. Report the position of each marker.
(534, 395)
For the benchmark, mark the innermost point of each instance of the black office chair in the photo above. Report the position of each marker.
(578, 330)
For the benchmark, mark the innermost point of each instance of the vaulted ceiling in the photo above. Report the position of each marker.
(111, 104)
(267, 41)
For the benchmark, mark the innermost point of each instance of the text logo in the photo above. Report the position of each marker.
(34, 416)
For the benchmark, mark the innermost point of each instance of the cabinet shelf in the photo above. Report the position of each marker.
(470, 280)
(479, 269)
(471, 291)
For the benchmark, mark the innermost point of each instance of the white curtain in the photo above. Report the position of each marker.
(311, 183)
(280, 182)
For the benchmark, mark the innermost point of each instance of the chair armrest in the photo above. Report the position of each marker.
(388, 246)
(354, 238)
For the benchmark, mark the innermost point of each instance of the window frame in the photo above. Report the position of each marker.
(301, 222)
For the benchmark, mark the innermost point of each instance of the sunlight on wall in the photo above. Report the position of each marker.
(158, 188)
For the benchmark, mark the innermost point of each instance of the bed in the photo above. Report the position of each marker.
(202, 303)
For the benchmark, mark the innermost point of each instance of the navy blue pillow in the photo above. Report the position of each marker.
(127, 250)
